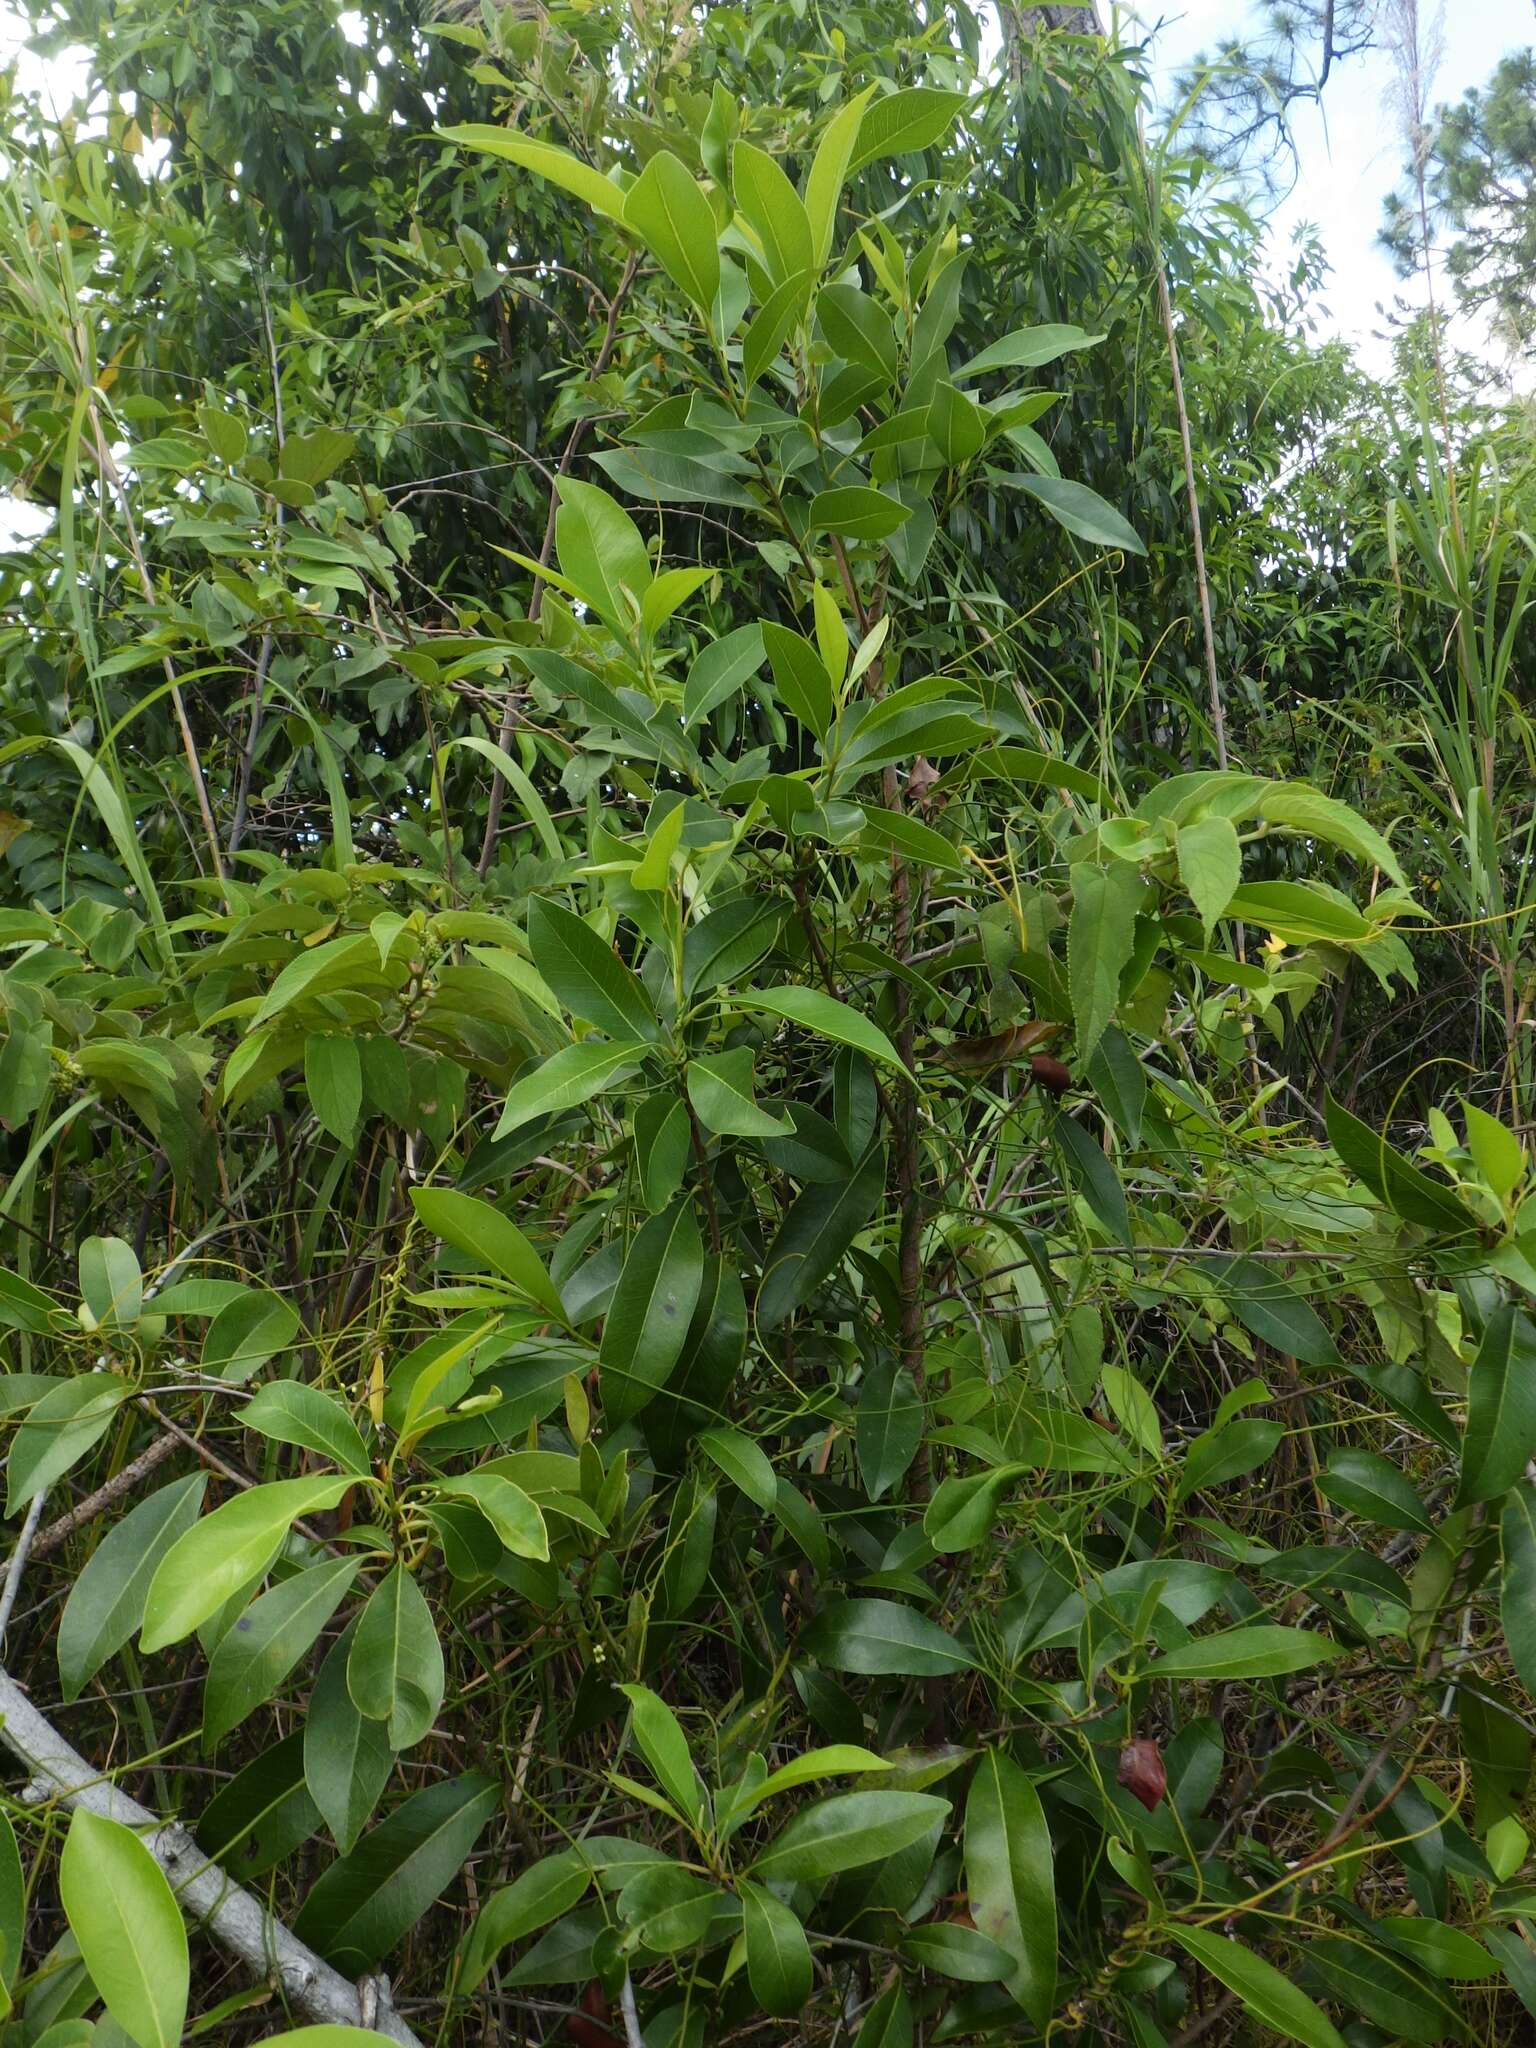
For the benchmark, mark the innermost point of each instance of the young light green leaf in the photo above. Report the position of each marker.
(491, 1238)
(547, 159)
(132, 1937)
(829, 169)
(224, 1552)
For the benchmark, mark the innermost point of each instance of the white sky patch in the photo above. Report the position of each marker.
(1350, 153)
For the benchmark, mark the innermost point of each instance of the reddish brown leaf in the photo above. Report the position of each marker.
(592, 2029)
(1142, 1772)
(981, 1055)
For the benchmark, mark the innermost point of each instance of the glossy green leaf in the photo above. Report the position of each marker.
(347, 1755)
(247, 1333)
(671, 215)
(882, 1638)
(106, 1602)
(290, 1412)
(1517, 1596)
(511, 1513)
(573, 1075)
(1210, 866)
(743, 1463)
(70, 1419)
(858, 513)
(1100, 936)
(535, 1897)
(1501, 1408)
(1269, 1305)
(1258, 1652)
(1010, 1874)
(647, 1323)
(1082, 512)
(111, 1285)
(395, 1666)
(905, 121)
(721, 1090)
(664, 1746)
(259, 1651)
(889, 1427)
(1265, 1992)
(775, 211)
(1373, 1487)
(778, 1954)
(365, 1903)
(546, 158)
(333, 1081)
(602, 551)
(845, 1832)
(587, 975)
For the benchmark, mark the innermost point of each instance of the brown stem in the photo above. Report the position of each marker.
(87, 1510)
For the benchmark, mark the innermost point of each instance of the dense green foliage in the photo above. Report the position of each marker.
(764, 1268)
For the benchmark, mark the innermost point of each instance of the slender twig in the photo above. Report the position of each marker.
(18, 1563)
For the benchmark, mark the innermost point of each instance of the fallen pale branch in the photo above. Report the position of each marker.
(236, 1920)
